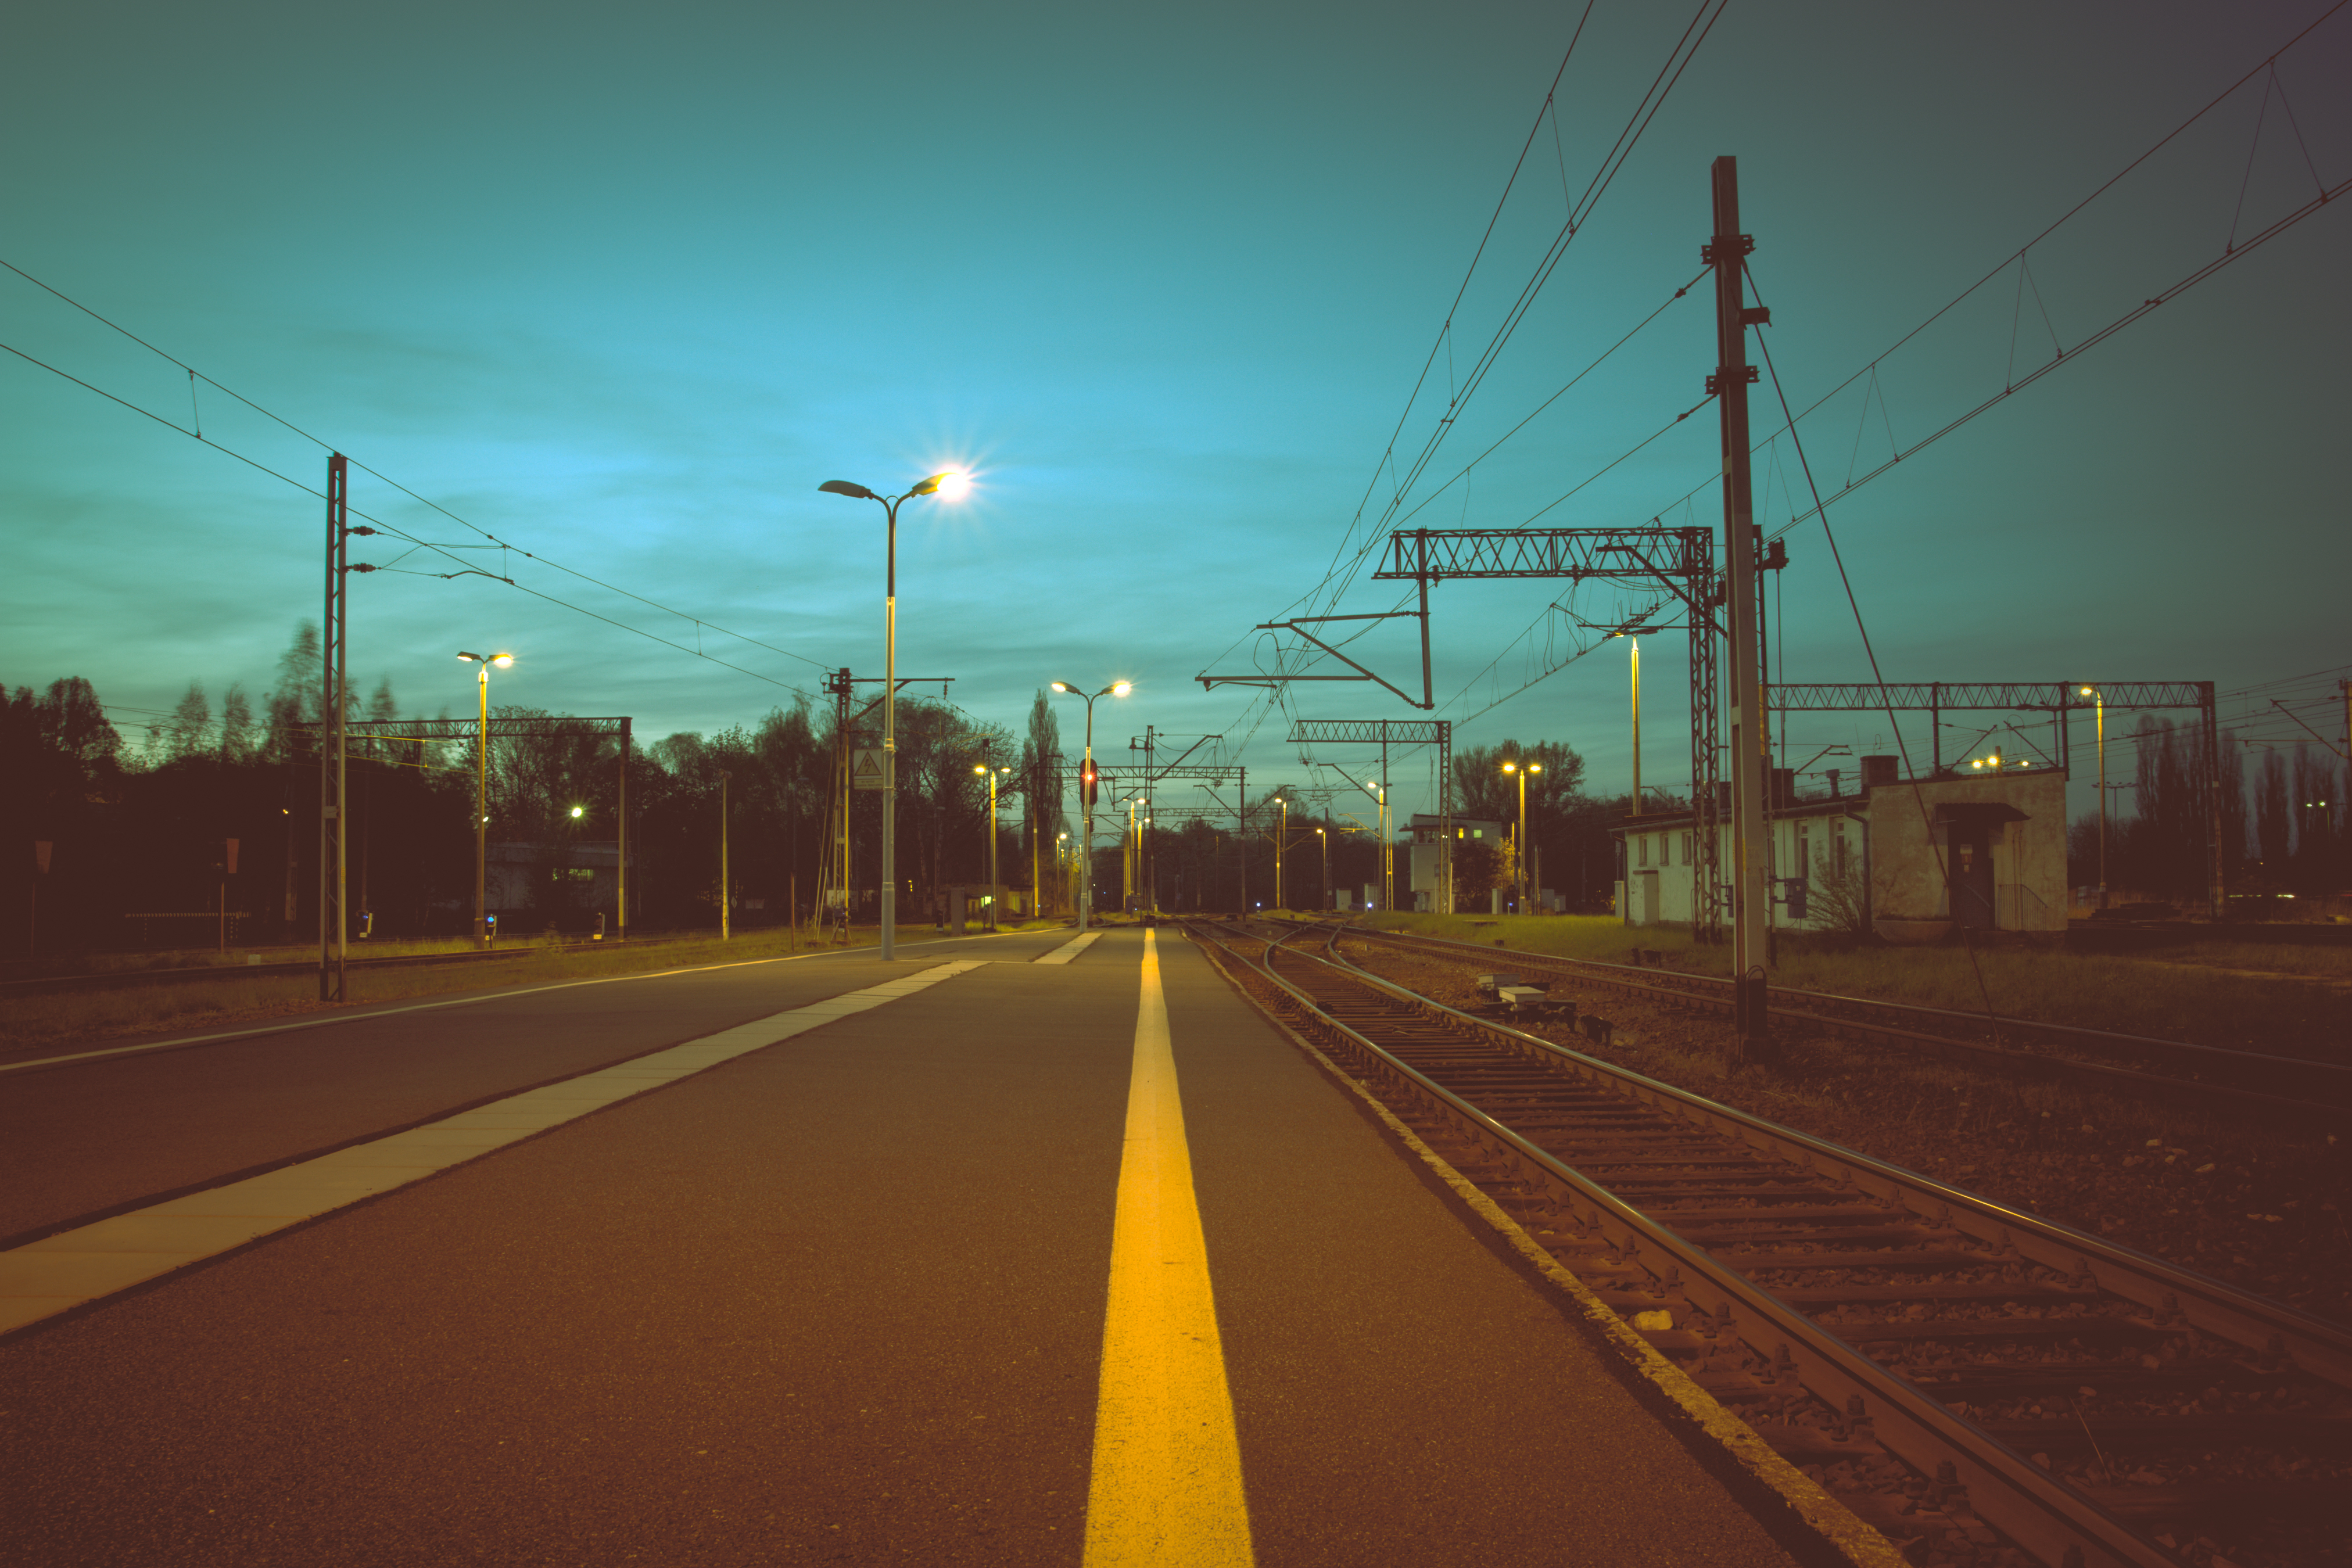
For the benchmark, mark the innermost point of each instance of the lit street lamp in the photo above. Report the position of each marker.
(948, 486)
(1086, 794)
(1326, 837)
(482, 793)
(1522, 845)
(1379, 794)
(990, 773)
(2099, 709)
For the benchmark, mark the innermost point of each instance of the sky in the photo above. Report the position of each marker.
(620, 288)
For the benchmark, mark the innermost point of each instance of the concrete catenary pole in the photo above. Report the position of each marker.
(1750, 729)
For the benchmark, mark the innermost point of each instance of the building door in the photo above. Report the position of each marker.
(1971, 875)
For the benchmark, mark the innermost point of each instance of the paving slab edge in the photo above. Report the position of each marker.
(1837, 1526)
(24, 1310)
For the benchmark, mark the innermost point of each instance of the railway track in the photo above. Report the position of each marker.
(2178, 1070)
(1985, 1386)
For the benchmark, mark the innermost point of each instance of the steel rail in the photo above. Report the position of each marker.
(2303, 1076)
(2033, 1507)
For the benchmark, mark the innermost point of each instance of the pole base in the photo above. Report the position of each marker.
(1752, 1024)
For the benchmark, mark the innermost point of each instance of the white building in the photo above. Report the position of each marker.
(1986, 851)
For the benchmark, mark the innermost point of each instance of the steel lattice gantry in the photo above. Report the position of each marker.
(2057, 698)
(1385, 733)
(1209, 773)
(1680, 559)
(435, 731)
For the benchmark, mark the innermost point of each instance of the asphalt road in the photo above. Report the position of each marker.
(840, 1300)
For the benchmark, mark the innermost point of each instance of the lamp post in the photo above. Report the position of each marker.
(482, 791)
(1379, 794)
(2099, 710)
(949, 484)
(1325, 840)
(1636, 641)
(726, 899)
(1131, 855)
(1086, 794)
(1281, 842)
(990, 774)
(1522, 845)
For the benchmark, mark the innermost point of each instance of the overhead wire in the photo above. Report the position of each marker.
(197, 433)
(1669, 75)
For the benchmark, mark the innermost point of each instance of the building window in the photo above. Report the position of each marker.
(1689, 848)
(1643, 850)
(1837, 851)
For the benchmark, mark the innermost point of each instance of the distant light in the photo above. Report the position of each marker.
(1121, 688)
(954, 485)
(579, 811)
(503, 661)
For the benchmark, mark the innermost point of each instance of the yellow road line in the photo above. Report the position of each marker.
(1167, 1484)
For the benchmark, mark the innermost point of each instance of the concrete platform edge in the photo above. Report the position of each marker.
(1810, 1505)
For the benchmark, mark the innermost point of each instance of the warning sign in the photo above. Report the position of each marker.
(865, 767)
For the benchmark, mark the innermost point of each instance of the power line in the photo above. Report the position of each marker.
(1339, 577)
(198, 433)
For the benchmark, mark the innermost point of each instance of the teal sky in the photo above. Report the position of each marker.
(623, 287)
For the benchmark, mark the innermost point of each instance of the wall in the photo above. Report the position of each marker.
(2029, 857)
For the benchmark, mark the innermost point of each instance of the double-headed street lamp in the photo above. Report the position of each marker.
(1522, 845)
(989, 772)
(482, 791)
(1086, 793)
(948, 486)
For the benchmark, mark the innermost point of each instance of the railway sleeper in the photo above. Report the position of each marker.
(1920, 1512)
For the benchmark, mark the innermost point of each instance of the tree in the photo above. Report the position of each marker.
(236, 742)
(293, 701)
(1559, 818)
(189, 728)
(1040, 784)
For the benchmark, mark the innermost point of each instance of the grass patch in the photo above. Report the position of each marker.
(2160, 993)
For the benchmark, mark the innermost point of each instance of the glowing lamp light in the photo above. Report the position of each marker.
(578, 811)
(1121, 688)
(954, 485)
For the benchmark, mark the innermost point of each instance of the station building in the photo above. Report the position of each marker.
(1910, 858)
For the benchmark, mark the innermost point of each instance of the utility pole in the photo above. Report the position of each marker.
(331, 922)
(726, 902)
(1750, 723)
(839, 684)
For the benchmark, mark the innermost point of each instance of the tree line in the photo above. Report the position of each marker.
(136, 831)
(2283, 828)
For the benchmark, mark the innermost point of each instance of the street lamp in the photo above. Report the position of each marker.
(1522, 846)
(1327, 865)
(482, 790)
(948, 486)
(1086, 794)
(2099, 709)
(990, 773)
(1129, 856)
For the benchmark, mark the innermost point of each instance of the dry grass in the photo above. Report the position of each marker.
(2186, 992)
